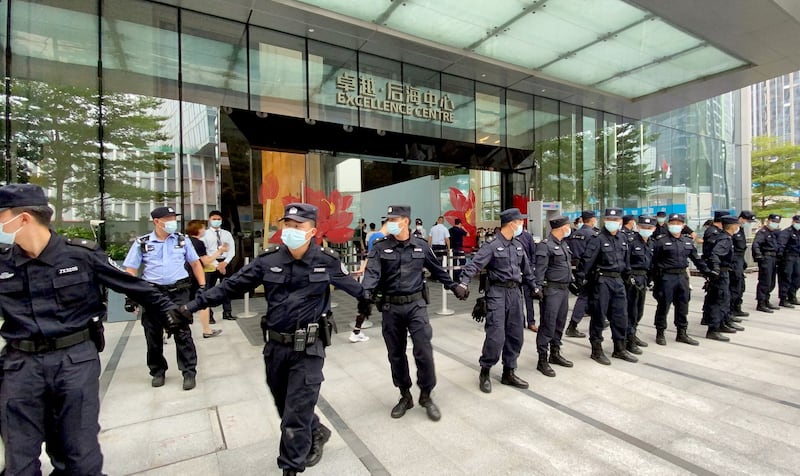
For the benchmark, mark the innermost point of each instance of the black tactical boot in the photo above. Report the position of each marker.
(557, 358)
(289, 472)
(484, 382)
(770, 305)
(572, 330)
(714, 335)
(764, 307)
(509, 378)
(630, 345)
(660, 339)
(638, 341)
(739, 313)
(318, 440)
(785, 303)
(733, 318)
(544, 367)
(621, 353)
(431, 409)
(598, 355)
(684, 337)
(406, 402)
(734, 326)
(726, 330)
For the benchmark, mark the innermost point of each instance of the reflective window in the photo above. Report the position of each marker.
(384, 93)
(458, 94)
(490, 115)
(420, 83)
(519, 120)
(332, 80)
(277, 73)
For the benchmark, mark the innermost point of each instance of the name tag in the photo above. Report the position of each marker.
(71, 269)
(417, 249)
(500, 248)
(319, 270)
(388, 250)
(276, 269)
(149, 248)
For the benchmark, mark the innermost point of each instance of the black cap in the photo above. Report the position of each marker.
(510, 215)
(22, 195)
(661, 214)
(720, 213)
(677, 217)
(627, 219)
(301, 212)
(418, 221)
(558, 222)
(162, 212)
(645, 220)
(747, 215)
(397, 211)
(587, 215)
(575, 222)
(613, 213)
(774, 217)
(729, 220)
(214, 212)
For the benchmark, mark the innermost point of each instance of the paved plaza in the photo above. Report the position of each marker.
(720, 408)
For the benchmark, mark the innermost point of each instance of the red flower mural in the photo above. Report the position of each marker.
(463, 209)
(333, 219)
(521, 202)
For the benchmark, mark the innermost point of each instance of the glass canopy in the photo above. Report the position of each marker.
(609, 45)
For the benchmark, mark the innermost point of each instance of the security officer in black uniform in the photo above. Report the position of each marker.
(737, 278)
(577, 245)
(508, 270)
(640, 247)
(162, 255)
(530, 252)
(603, 268)
(553, 275)
(661, 225)
(671, 279)
(394, 279)
(718, 255)
(628, 227)
(789, 268)
(52, 304)
(766, 250)
(714, 231)
(296, 277)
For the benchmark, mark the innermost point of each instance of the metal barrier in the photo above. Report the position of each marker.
(247, 313)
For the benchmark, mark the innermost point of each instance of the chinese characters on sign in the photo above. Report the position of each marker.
(396, 98)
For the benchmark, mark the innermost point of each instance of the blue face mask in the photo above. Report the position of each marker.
(518, 230)
(646, 233)
(774, 226)
(661, 220)
(216, 223)
(612, 226)
(394, 228)
(675, 229)
(796, 226)
(293, 238)
(568, 231)
(171, 226)
(8, 238)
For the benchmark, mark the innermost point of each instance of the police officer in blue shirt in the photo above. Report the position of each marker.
(162, 255)
(52, 305)
(508, 270)
(394, 277)
(296, 277)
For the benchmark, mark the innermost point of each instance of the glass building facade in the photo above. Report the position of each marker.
(118, 106)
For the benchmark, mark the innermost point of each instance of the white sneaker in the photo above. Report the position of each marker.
(360, 337)
(367, 324)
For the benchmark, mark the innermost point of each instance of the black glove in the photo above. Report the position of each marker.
(536, 293)
(461, 291)
(574, 288)
(758, 259)
(632, 281)
(178, 318)
(479, 310)
(97, 333)
(130, 306)
(364, 307)
(713, 274)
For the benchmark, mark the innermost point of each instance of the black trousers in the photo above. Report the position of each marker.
(530, 314)
(212, 278)
(185, 351)
(552, 318)
(581, 307)
(737, 280)
(635, 292)
(52, 397)
(504, 327)
(789, 277)
(767, 273)
(672, 289)
(294, 379)
(717, 304)
(608, 302)
(398, 321)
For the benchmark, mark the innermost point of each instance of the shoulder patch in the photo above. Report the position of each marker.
(490, 239)
(330, 252)
(270, 249)
(5, 249)
(143, 238)
(89, 244)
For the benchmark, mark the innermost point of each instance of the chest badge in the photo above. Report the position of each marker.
(149, 248)
(418, 249)
(500, 248)
(6, 275)
(276, 269)
(388, 250)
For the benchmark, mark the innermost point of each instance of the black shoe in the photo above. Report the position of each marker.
(684, 337)
(606, 324)
(621, 353)
(639, 341)
(733, 318)
(598, 355)
(544, 367)
(557, 358)
(763, 307)
(430, 408)
(714, 335)
(630, 346)
(785, 303)
(158, 380)
(318, 440)
(189, 382)
(734, 326)
(406, 402)
(771, 306)
(572, 330)
(211, 320)
(660, 339)
(228, 316)
(739, 313)
(510, 378)
(726, 330)
(484, 381)
(289, 472)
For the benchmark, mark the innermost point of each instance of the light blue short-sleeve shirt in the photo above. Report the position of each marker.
(163, 260)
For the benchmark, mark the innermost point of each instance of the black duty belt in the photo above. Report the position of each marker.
(288, 339)
(551, 284)
(675, 271)
(404, 299)
(608, 274)
(769, 253)
(184, 283)
(504, 284)
(724, 269)
(639, 272)
(47, 345)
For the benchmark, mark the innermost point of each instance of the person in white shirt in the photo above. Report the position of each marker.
(214, 238)
(440, 238)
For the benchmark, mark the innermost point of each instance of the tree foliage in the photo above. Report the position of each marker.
(776, 179)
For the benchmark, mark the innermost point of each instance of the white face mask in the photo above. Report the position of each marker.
(8, 238)
(567, 231)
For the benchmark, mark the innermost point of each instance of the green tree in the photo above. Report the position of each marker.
(775, 176)
(54, 131)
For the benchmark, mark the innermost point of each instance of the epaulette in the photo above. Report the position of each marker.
(5, 248)
(270, 250)
(659, 237)
(143, 239)
(329, 252)
(490, 239)
(89, 244)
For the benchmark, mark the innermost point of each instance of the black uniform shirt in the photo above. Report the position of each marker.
(765, 242)
(721, 255)
(739, 242)
(789, 241)
(672, 253)
(60, 291)
(579, 239)
(709, 239)
(504, 260)
(553, 262)
(395, 267)
(604, 253)
(641, 252)
(297, 291)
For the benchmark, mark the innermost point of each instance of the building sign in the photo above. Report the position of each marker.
(395, 98)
